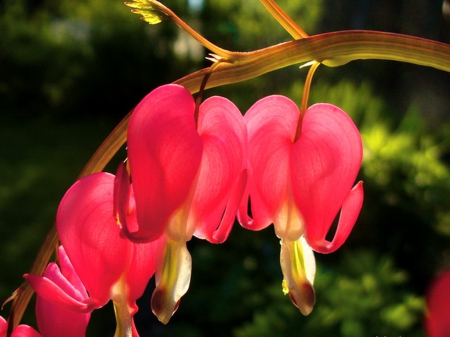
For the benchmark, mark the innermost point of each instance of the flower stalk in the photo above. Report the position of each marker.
(284, 19)
(305, 97)
(154, 12)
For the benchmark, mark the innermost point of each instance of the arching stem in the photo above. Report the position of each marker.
(199, 98)
(284, 19)
(305, 98)
(154, 12)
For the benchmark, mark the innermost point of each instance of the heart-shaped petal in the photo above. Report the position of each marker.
(325, 161)
(271, 124)
(221, 180)
(89, 233)
(164, 150)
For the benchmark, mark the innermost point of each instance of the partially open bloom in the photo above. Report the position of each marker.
(109, 266)
(300, 185)
(188, 176)
(437, 319)
(52, 319)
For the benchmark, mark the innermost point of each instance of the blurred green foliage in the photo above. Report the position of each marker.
(82, 58)
(362, 295)
(70, 70)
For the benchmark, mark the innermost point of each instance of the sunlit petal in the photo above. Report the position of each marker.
(164, 150)
(326, 160)
(349, 214)
(142, 266)
(26, 331)
(89, 233)
(52, 292)
(54, 319)
(224, 136)
(271, 124)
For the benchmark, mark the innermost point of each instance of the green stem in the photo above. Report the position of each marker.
(284, 20)
(331, 49)
(151, 10)
(97, 163)
(305, 98)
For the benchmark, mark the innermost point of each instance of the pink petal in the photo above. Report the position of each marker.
(223, 231)
(79, 291)
(3, 327)
(142, 266)
(220, 183)
(438, 307)
(164, 150)
(20, 331)
(143, 255)
(124, 203)
(89, 233)
(349, 214)
(271, 124)
(53, 293)
(55, 319)
(24, 331)
(326, 160)
(53, 273)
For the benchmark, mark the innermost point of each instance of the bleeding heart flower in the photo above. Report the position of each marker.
(300, 185)
(52, 319)
(109, 266)
(188, 177)
(186, 174)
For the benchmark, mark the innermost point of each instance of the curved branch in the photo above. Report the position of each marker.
(332, 49)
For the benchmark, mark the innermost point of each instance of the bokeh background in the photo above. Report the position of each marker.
(71, 70)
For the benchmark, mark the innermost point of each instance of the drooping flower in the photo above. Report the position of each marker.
(188, 176)
(437, 318)
(52, 319)
(108, 265)
(300, 185)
